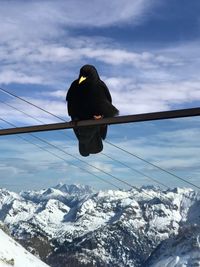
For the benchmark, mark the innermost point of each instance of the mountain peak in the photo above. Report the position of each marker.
(74, 189)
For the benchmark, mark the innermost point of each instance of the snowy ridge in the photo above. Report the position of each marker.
(60, 191)
(13, 254)
(110, 228)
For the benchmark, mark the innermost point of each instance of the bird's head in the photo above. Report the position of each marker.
(88, 72)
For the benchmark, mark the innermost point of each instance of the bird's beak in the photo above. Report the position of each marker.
(82, 79)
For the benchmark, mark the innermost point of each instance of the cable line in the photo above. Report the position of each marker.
(71, 154)
(133, 169)
(48, 143)
(114, 177)
(125, 165)
(30, 116)
(54, 154)
(154, 180)
(124, 182)
(30, 103)
(36, 119)
(75, 157)
(154, 165)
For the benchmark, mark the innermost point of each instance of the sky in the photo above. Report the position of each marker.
(147, 52)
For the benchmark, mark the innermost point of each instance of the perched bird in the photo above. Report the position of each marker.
(89, 98)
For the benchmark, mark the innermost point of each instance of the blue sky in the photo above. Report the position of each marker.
(147, 52)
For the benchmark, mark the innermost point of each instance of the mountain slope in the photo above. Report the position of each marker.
(182, 250)
(13, 254)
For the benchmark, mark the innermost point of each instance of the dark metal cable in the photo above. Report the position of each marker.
(30, 103)
(133, 169)
(125, 165)
(164, 199)
(154, 165)
(62, 149)
(83, 161)
(28, 115)
(114, 177)
(54, 154)
(75, 157)
(48, 143)
(101, 153)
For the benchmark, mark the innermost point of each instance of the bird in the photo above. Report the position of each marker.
(89, 98)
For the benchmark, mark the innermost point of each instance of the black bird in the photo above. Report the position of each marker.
(89, 98)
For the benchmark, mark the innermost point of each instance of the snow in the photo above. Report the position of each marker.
(74, 189)
(21, 210)
(181, 250)
(66, 209)
(113, 194)
(13, 254)
(69, 212)
(129, 202)
(170, 262)
(189, 260)
(53, 212)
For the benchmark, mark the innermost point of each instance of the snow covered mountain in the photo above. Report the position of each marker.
(13, 254)
(75, 226)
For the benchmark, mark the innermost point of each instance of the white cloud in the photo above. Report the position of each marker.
(11, 76)
(51, 64)
(41, 52)
(148, 79)
(18, 118)
(30, 159)
(43, 19)
(128, 96)
(61, 94)
(149, 97)
(106, 13)
(174, 147)
(102, 166)
(114, 56)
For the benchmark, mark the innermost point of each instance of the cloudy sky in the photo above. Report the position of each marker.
(148, 54)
